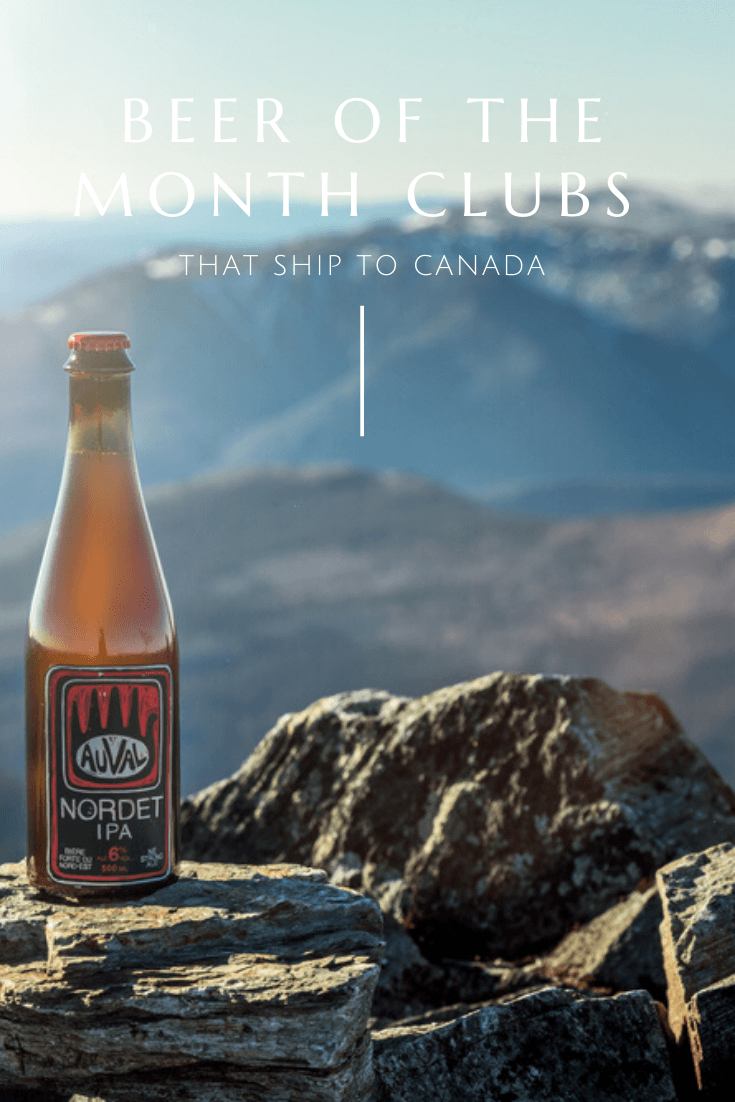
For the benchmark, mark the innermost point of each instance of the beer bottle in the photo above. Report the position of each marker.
(102, 660)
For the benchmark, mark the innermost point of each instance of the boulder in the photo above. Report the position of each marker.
(489, 818)
(231, 983)
(698, 927)
(549, 1046)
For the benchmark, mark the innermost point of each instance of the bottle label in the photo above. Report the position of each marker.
(109, 774)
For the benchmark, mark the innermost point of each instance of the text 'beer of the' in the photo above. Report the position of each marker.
(102, 660)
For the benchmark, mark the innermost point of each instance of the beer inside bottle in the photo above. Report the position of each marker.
(102, 660)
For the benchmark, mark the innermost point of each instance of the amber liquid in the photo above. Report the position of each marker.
(100, 599)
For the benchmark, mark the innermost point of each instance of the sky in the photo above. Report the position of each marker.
(661, 69)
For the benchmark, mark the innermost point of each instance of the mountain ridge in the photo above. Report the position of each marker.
(617, 363)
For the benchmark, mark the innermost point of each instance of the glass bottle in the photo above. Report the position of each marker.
(102, 660)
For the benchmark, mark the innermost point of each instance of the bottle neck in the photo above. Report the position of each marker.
(99, 413)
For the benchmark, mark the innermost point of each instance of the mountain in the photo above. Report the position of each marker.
(38, 259)
(289, 585)
(614, 366)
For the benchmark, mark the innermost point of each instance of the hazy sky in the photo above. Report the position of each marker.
(662, 69)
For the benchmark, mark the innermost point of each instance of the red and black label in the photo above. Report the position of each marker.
(109, 773)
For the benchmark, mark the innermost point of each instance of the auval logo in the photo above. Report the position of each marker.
(108, 757)
(111, 736)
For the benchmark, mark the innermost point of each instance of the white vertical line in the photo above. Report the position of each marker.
(362, 371)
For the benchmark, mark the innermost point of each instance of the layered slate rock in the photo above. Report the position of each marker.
(231, 983)
(698, 938)
(698, 928)
(548, 1046)
(711, 1021)
(489, 817)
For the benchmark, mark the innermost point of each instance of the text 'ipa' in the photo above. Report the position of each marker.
(102, 660)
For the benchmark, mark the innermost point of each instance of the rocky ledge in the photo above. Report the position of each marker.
(233, 983)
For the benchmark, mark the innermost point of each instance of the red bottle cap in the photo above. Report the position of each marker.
(101, 341)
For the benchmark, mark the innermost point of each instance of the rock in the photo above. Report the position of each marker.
(489, 817)
(8, 1095)
(232, 983)
(698, 938)
(620, 949)
(549, 1046)
(408, 982)
(711, 1021)
(411, 987)
(698, 928)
